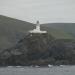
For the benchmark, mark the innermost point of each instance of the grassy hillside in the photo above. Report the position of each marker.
(58, 33)
(69, 28)
(11, 30)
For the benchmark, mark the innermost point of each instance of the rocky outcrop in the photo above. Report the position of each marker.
(39, 49)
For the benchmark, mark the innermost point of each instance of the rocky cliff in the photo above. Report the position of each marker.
(39, 49)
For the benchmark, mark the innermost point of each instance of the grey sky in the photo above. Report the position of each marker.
(43, 10)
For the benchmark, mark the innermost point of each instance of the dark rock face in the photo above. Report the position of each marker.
(39, 49)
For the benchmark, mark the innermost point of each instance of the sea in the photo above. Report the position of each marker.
(24, 70)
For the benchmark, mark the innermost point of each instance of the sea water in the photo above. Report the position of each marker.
(55, 70)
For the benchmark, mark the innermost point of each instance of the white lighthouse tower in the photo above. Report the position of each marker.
(38, 26)
(37, 29)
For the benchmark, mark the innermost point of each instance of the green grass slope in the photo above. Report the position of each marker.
(11, 30)
(58, 33)
(68, 28)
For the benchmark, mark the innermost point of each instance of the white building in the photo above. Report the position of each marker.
(37, 29)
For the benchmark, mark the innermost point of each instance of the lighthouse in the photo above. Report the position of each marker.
(38, 26)
(37, 29)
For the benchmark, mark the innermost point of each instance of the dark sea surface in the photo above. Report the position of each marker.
(54, 70)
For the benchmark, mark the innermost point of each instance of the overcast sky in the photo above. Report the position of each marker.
(46, 11)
